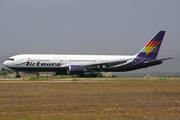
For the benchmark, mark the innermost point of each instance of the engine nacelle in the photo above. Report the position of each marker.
(75, 69)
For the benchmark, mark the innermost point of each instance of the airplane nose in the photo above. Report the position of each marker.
(6, 63)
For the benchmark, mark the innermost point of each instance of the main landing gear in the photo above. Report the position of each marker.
(17, 74)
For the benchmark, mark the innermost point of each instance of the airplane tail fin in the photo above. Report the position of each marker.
(151, 49)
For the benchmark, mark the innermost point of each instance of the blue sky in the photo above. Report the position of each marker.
(108, 27)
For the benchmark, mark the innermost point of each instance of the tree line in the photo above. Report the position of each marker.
(5, 71)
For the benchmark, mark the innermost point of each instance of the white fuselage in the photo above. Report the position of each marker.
(58, 61)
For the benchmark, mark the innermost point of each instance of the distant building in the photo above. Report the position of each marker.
(107, 74)
(13, 75)
(44, 74)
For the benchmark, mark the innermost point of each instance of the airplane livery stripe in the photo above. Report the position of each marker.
(153, 50)
(150, 46)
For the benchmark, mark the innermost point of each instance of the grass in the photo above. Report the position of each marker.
(73, 79)
(33, 78)
(113, 99)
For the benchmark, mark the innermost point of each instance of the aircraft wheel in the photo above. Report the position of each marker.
(18, 76)
(94, 75)
(83, 75)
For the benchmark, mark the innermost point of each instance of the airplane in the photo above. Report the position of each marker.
(83, 64)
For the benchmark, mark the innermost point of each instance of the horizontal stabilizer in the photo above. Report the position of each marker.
(157, 61)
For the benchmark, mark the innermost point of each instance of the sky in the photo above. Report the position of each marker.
(107, 27)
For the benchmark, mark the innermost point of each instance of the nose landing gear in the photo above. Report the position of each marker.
(17, 74)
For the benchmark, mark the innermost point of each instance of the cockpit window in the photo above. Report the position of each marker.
(11, 59)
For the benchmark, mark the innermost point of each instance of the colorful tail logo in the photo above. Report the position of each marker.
(151, 45)
(151, 49)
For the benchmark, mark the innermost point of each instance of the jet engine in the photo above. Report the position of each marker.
(75, 69)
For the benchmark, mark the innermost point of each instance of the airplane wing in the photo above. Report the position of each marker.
(106, 64)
